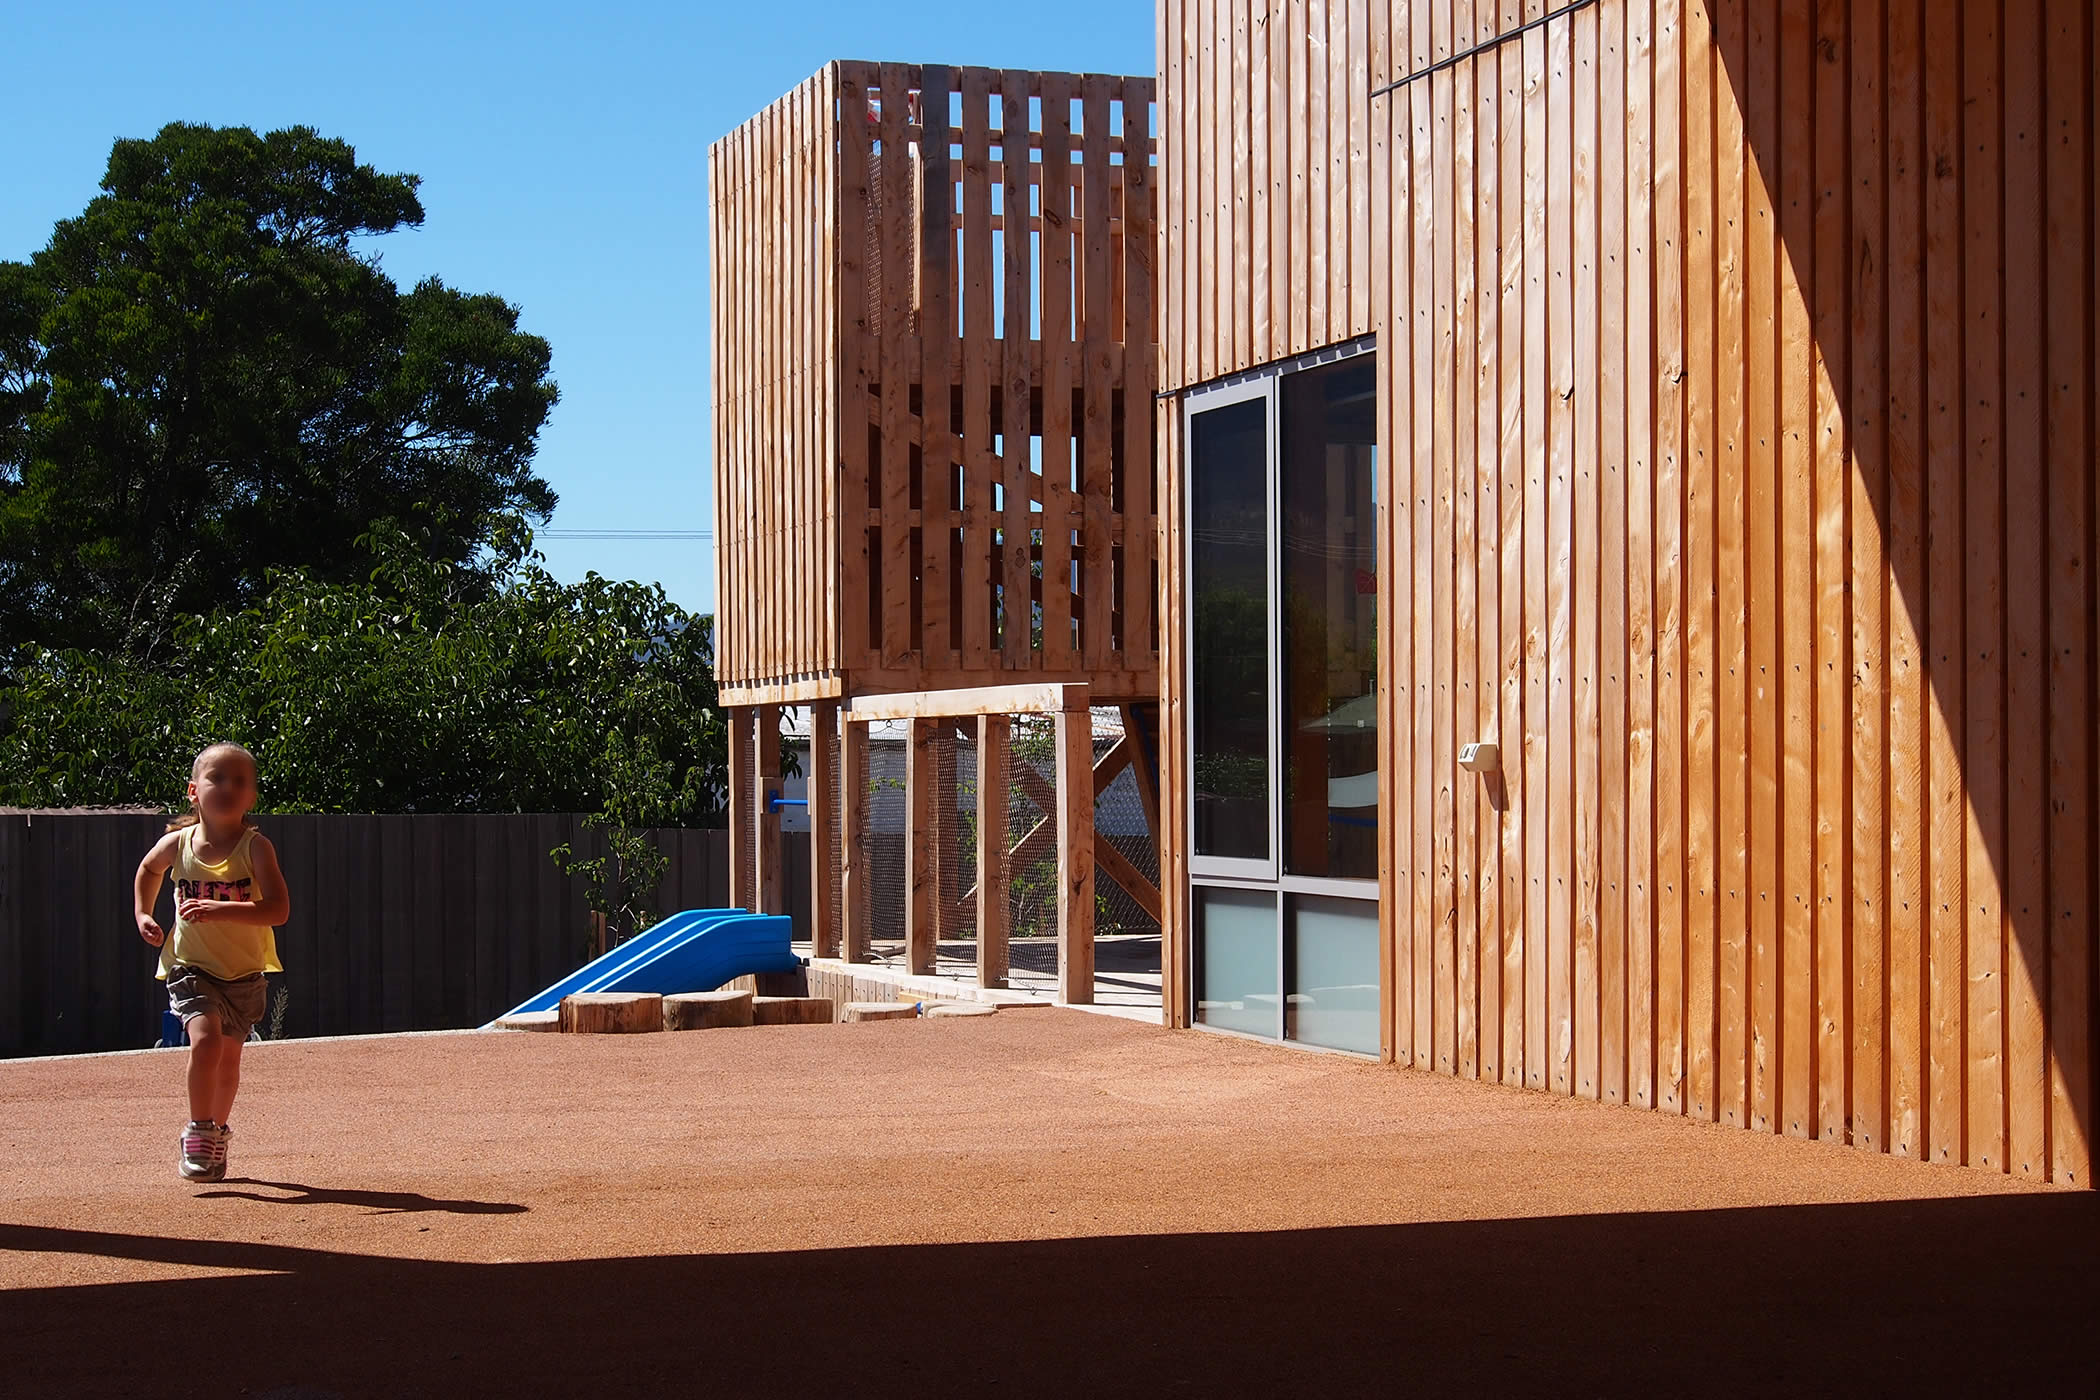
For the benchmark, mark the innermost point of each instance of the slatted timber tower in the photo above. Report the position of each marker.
(934, 363)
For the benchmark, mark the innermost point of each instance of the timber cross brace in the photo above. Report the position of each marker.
(992, 735)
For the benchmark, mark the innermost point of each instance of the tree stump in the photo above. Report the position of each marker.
(701, 1011)
(530, 1021)
(961, 1008)
(792, 1011)
(878, 1011)
(612, 1013)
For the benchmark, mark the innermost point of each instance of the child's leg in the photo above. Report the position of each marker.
(229, 1082)
(214, 1069)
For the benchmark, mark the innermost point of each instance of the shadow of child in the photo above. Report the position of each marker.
(375, 1202)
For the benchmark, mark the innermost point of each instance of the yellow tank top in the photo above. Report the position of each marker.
(221, 947)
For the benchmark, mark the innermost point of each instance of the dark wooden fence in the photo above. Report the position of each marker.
(398, 922)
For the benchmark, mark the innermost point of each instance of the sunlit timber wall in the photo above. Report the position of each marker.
(774, 279)
(1738, 403)
(934, 365)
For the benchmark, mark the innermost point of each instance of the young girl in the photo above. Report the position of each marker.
(229, 899)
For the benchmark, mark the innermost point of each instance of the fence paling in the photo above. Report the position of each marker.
(397, 922)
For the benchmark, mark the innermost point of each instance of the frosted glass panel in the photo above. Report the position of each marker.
(1333, 962)
(1236, 972)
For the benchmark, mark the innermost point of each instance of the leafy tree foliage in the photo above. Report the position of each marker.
(204, 378)
(422, 687)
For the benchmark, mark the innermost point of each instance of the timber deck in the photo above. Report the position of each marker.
(1126, 974)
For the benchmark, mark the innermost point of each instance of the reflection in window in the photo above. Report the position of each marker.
(1236, 963)
(1331, 953)
(1329, 470)
(1229, 624)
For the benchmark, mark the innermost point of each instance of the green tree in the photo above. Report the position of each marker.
(205, 376)
(420, 687)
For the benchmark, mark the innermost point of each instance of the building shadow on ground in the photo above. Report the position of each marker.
(1938, 1296)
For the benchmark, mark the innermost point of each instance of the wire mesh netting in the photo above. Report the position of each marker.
(1119, 818)
(889, 874)
(833, 858)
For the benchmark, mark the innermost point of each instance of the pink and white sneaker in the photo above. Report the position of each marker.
(203, 1152)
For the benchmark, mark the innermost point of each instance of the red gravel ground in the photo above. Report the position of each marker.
(1039, 1202)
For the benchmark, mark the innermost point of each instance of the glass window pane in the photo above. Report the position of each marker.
(1332, 957)
(1329, 472)
(1236, 960)
(1229, 627)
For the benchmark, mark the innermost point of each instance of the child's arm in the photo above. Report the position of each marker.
(145, 887)
(272, 904)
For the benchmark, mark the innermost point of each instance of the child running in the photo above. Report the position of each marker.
(229, 899)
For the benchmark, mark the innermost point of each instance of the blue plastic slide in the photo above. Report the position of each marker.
(696, 951)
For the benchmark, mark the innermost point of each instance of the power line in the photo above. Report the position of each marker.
(626, 534)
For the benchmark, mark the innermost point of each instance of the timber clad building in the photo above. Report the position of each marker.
(1605, 594)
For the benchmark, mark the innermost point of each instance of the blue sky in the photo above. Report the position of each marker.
(563, 150)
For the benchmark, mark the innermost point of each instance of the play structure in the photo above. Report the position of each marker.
(933, 369)
(696, 951)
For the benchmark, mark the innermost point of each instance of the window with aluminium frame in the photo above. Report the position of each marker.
(1282, 622)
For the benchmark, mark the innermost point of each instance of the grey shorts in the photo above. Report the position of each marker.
(238, 1004)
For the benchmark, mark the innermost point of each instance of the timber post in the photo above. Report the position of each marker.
(856, 912)
(921, 791)
(1075, 856)
(994, 738)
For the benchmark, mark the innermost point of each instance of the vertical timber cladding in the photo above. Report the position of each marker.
(773, 276)
(877, 534)
(1739, 390)
(997, 361)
